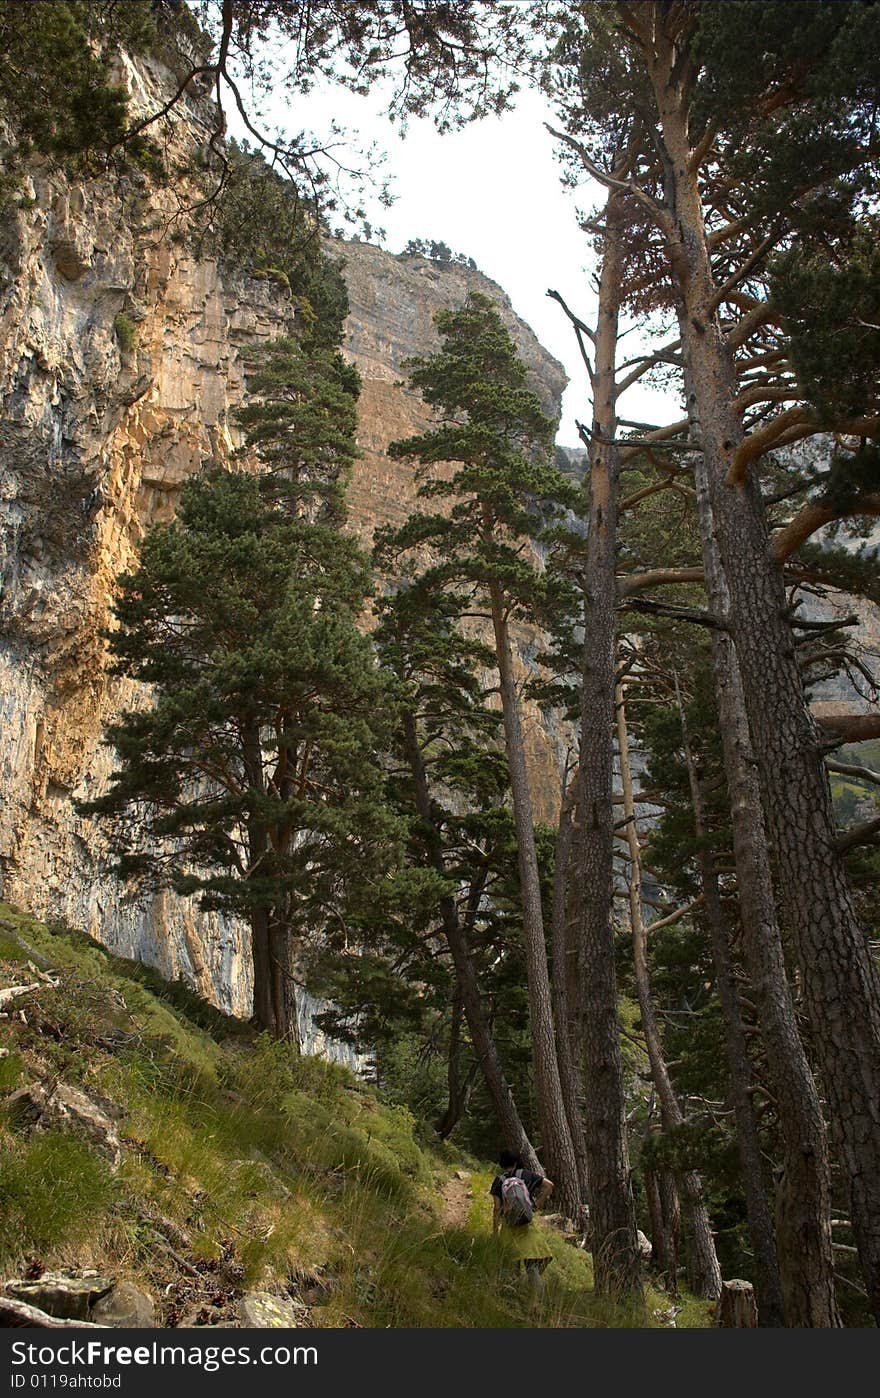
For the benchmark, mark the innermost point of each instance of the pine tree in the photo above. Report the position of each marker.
(253, 768)
(740, 111)
(501, 491)
(452, 784)
(249, 778)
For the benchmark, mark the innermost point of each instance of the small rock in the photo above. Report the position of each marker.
(24, 1107)
(259, 1310)
(64, 1106)
(314, 1287)
(67, 1297)
(201, 1318)
(461, 1175)
(667, 1317)
(70, 1105)
(126, 1307)
(560, 1221)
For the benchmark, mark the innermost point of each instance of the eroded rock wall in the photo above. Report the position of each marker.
(120, 368)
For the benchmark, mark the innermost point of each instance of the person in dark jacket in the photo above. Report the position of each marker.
(522, 1238)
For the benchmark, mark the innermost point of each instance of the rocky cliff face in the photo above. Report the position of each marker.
(393, 300)
(120, 366)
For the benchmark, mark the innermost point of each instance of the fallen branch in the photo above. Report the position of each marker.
(14, 991)
(176, 1258)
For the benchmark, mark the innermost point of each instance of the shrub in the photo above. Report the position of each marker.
(125, 332)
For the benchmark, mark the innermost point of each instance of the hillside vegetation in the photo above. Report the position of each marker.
(241, 1166)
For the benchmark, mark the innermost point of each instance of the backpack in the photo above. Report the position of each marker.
(516, 1202)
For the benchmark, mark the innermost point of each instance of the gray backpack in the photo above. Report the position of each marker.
(516, 1202)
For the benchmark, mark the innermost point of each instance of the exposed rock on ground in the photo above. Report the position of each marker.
(60, 1106)
(65, 1297)
(262, 1311)
(84, 1298)
(126, 1307)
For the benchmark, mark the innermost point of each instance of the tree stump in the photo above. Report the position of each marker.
(736, 1307)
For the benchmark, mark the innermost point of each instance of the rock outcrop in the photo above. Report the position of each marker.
(84, 1299)
(120, 369)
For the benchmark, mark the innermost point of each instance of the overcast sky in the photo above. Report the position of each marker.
(492, 192)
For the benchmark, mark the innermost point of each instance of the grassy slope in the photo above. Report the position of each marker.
(243, 1167)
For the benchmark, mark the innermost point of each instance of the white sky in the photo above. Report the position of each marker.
(492, 191)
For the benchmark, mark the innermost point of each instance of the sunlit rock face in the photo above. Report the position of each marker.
(393, 301)
(120, 369)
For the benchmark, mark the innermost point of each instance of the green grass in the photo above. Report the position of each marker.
(275, 1168)
(126, 332)
(50, 1188)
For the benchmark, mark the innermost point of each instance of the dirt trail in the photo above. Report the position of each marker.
(456, 1194)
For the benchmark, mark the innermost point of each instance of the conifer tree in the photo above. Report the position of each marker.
(455, 783)
(501, 490)
(249, 778)
(742, 127)
(252, 770)
(454, 925)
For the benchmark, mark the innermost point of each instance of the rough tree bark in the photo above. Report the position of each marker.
(283, 985)
(736, 1308)
(803, 1199)
(840, 982)
(704, 1273)
(762, 1233)
(263, 1007)
(612, 1213)
(265, 997)
(560, 986)
(664, 1214)
(556, 1141)
(459, 1086)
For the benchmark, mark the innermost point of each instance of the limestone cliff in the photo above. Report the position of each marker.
(120, 366)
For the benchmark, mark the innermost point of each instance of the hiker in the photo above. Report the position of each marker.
(516, 1194)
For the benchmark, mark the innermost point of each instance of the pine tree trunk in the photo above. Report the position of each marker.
(762, 1233)
(659, 1241)
(671, 1205)
(512, 1130)
(459, 1086)
(284, 997)
(664, 1213)
(612, 1214)
(803, 1201)
(263, 1006)
(840, 982)
(264, 995)
(556, 1141)
(561, 983)
(703, 1270)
